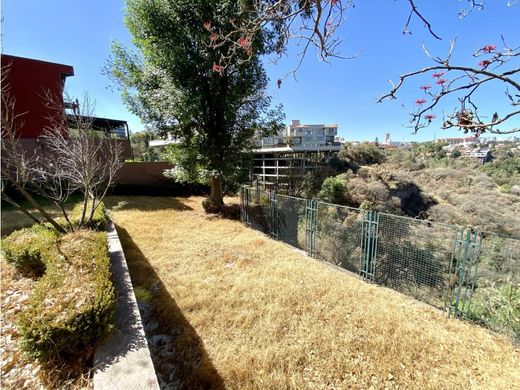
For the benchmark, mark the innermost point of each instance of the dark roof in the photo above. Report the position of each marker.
(104, 124)
(67, 70)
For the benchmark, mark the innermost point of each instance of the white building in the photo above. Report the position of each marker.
(295, 150)
(302, 137)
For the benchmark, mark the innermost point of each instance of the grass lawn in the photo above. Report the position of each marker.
(247, 312)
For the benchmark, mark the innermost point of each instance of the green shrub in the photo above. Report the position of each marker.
(332, 191)
(29, 250)
(142, 294)
(362, 154)
(71, 307)
(99, 220)
(497, 308)
(505, 188)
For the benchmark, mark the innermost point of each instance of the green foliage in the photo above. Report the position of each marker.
(189, 165)
(29, 250)
(505, 188)
(142, 294)
(497, 308)
(362, 154)
(71, 307)
(99, 219)
(171, 84)
(141, 146)
(456, 153)
(332, 191)
(339, 165)
(505, 171)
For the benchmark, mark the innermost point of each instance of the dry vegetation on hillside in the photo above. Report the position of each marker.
(247, 312)
(422, 183)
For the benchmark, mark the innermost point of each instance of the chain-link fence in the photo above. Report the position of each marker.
(469, 274)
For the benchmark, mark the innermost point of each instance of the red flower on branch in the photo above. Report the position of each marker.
(425, 87)
(213, 37)
(244, 41)
(420, 102)
(217, 68)
(441, 81)
(484, 63)
(488, 48)
(207, 25)
(438, 75)
(430, 117)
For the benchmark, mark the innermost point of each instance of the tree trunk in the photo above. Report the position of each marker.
(39, 208)
(216, 198)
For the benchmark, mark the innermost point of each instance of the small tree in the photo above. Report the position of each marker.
(71, 157)
(362, 154)
(75, 157)
(332, 191)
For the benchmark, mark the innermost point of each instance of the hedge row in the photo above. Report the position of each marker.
(29, 250)
(72, 305)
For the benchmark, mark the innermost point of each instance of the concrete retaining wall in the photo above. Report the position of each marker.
(124, 361)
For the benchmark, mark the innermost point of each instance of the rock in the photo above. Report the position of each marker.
(155, 288)
(150, 326)
(146, 310)
(159, 339)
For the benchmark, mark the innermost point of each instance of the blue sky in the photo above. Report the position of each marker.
(79, 33)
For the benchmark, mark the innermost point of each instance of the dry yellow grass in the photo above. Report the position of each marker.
(250, 313)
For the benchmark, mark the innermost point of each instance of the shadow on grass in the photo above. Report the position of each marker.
(193, 367)
(145, 203)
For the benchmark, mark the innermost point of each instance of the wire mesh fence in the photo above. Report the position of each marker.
(469, 274)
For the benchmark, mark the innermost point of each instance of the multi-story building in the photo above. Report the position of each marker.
(294, 151)
(35, 90)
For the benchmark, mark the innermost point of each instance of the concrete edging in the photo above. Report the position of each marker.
(123, 361)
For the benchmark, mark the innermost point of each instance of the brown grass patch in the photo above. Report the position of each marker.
(249, 312)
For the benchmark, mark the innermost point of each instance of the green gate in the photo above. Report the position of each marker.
(463, 271)
(369, 236)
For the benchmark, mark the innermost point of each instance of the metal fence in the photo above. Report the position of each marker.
(469, 274)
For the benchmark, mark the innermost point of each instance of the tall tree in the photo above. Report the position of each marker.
(175, 83)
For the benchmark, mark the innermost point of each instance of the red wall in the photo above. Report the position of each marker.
(28, 81)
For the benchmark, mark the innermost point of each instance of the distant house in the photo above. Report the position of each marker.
(295, 150)
(31, 83)
(483, 155)
(458, 140)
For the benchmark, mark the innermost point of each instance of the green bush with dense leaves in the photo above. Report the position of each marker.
(332, 191)
(497, 308)
(505, 171)
(72, 305)
(99, 219)
(31, 249)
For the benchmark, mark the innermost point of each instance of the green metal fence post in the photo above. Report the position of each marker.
(242, 204)
(246, 208)
(273, 213)
(310, 226)
(369, 236)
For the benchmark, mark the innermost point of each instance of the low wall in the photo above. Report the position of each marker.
(123, 361)
(146, 178)
(144, 173)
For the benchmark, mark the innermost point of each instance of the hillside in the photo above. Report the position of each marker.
(439, 188)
